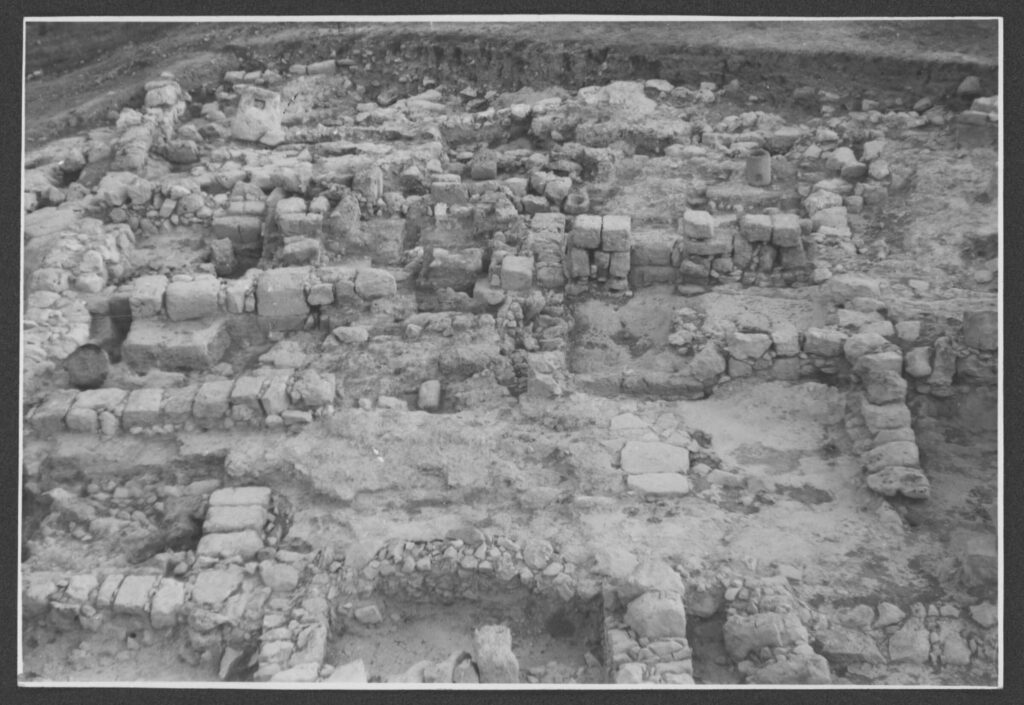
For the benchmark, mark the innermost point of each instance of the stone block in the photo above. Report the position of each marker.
(720, 243)
(146, 298)
(824, 342)
(746, 633)
(656, 615)
(492, 653)
(616, 233)
(894, 454)
(281, 293)
(586, 232)
(48, 417)
(213, 400)
(653, 248)
(449, 192)
(311, 389)
(187, 301)
(237, 496)
(259, 113)
(644, 457)
(143, 408)
(167, 602)
(213, 587)
(749, 346)
(756, 228)
(188, 345)
(274, 399)
(885, 416)
(429, 398)
(659, 484)
(222, 519)
(242, 230)
(619, 265)
(579, 263)
(373, 284)
(516, 273)
(100, 399)
(698, 225)
(246, 391)
(279, 577)
(177, 403)
(785, 229)
(786, 340)
(108, 590)
(240, 543)
(133, 595)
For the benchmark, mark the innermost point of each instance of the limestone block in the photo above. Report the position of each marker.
(133, 595)
(656, 615)
(698, 225)
(143, 408)
(516, 273)
(240, 543)
(146, 298)
(643, 457)
(616, 233)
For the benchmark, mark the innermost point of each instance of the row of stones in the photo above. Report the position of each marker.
(468, 566)
(284, 292)
(599, 248)
(279, 398)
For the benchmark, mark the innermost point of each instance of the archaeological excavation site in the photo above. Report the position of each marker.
(494, 354)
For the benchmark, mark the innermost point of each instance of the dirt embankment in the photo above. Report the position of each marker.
(89, 69)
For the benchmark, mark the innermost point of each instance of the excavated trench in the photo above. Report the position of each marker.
(388, 535)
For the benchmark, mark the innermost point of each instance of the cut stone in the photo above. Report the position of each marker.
(189, 345)
(233, 496)
(616, 233)
(646, 457)
(187, 301)
(167, 603)
(244, 544)
(133, 594)
(659, 484)
(226, 518)
(657, 615)
(214, 587)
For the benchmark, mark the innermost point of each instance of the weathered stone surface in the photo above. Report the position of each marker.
(845, 646)
(259, 113)
(189, 345)
(745, 633)
(429, 396)
(805, 669)
(656, 615)
(492, 653)
(146, 298)
(910, 644)
(889, 614)
(303, 673)
(453, 269)
(537, 553)
(885, 387)
(167, 603)
(986, 614)
(629, 674)
(786, 340)
(981, 329)
(757, 228)
(213, 400)
(824, 342)
(897, 453)
(143, 408)
(352, 672)
(878, 417)
(234, 496)
(844, 287)
(224, 518)
(516, 273)
(373, 284)
(279, 577)
(133, 594)
(616, 233)
(909, 482)
(659, 484)
(187, 301)
(214, 587)
(860, 344)
(698, 225)
(311, 389)
(749, 346)
(282, 292)
(980, 560)
(48, 417)
(241, 230)
(368, 614)
(643, 457)
(239, 543)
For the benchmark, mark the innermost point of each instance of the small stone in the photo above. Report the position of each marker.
(368, 614)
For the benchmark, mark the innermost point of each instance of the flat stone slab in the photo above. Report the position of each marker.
(238, 543)
(649, 457)
(231, 496)
(133, 594)
(226, 518)
(185, 345)
(213, 587)
(660, 484)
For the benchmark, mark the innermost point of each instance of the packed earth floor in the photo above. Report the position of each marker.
(566, 353)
